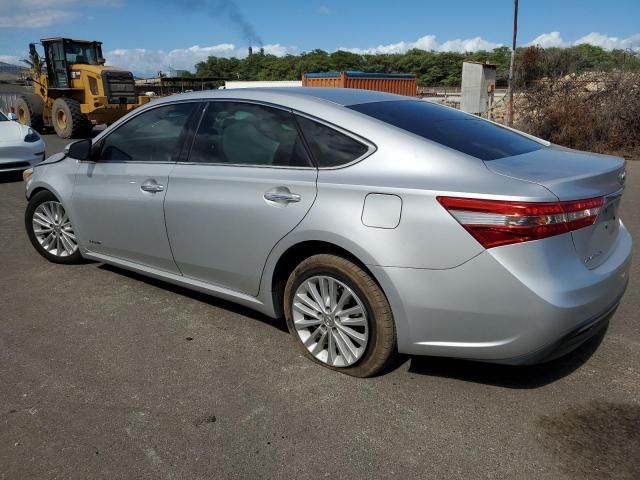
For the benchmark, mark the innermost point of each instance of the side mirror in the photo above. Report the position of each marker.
(12, 116)
(80, 150)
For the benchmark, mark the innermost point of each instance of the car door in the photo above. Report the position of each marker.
(247, 183)
(119, 195)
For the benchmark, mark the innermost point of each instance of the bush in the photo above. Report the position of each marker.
(598, 112)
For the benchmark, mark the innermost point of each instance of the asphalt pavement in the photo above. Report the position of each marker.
(107, 374)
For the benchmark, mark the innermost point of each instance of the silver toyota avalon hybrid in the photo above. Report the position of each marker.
(373, 223)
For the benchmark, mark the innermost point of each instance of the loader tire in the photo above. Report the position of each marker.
(29, 111)
(68, 121)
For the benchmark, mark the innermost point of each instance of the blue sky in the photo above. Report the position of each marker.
(145, 36)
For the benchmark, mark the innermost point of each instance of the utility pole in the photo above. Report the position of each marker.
(511, 67)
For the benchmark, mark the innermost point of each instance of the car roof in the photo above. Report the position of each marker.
(295, 97)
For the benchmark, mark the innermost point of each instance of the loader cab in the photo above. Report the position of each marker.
(61, 53)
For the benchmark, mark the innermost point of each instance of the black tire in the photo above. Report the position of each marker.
(29, 111)
(39, 198)
(67, 118)
(381, 347)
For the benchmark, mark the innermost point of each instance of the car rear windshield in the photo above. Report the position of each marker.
(451, 128)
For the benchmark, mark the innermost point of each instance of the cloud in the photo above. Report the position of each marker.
(548, 40)
(610, 43)
(468, 45)
(42, 13)
(324, 10)
(554, 39)
(545, 40)
(148, 62)
(36, 19)
(429, 42)
(10, 59)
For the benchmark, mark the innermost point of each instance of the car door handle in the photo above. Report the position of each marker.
(282, 197)
(151, 186)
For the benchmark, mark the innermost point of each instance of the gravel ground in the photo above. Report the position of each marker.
(106, 374)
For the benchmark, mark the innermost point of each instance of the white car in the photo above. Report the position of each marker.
(20, 146)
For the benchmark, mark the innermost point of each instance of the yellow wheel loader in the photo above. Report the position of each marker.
(76, 91)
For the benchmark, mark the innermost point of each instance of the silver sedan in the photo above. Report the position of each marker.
(373, 223)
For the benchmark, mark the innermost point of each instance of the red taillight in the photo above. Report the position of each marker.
(499, 222)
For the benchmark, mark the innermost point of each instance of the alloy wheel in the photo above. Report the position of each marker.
(53, 229)
(331, 321)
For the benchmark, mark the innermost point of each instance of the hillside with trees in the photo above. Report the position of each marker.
(432, 68)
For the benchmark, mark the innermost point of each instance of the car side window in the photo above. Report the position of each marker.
(237, 133)
(329, 147)
(152, 136)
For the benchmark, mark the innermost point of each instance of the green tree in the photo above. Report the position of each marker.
(342, 60)
(35, 63)
(431, 68)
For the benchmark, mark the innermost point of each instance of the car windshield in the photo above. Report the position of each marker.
(3, 118)
(451, 128)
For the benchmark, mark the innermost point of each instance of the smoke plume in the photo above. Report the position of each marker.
(225, 9)
(230, 8)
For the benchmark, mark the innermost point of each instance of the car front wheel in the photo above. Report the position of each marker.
(50, 230)
(339, 316)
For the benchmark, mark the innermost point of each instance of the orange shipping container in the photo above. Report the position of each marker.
(399, 83)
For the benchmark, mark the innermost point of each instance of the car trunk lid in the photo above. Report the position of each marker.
(574, 175)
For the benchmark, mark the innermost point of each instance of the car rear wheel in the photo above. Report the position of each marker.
(339, 316)
(50, 230)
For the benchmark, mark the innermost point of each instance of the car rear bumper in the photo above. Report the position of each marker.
(567, 343)
(517, 304)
